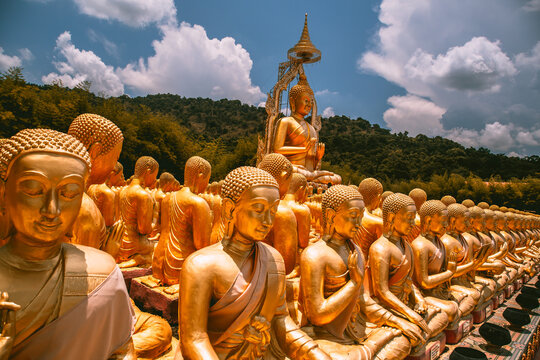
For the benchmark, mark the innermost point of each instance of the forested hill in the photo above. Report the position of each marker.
(172, 128)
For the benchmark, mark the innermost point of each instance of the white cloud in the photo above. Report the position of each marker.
(109, 46)
(515, 154)
(26, 54)
(526, 138)
(325, 92)
(415, 115)
(328, 112)
(82, 65)
(188, 63)
(453, 56)
(135, 13)
(7, 61)
(532, 5)
(476, 66)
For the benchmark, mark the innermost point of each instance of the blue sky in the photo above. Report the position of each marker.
(468, 71)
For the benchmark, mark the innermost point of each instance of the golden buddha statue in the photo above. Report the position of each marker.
(498, 244)
(116, 178)
(463, 279)
(384, 195)
(56, 284)
(284, 235)
(434, 265)
(295, 199)
(137, 210)
(468, 203)
(103, 140)
(372, 225)
(166, 184)
(390, 269)
(448, 200)
(5, 223)
(419, 197)
(232, 293)
(332, 294)
(105, 199)
(297, 139)
(186, 224)
(152, 335)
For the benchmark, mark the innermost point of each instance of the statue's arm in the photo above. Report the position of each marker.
(145, 212)
(202, 224)
(196, 281)
(321, 310)
(421, 273)
(379, 262)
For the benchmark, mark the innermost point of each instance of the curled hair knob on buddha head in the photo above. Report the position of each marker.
(448, 200)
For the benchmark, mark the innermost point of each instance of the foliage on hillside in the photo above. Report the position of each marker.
(172, 128)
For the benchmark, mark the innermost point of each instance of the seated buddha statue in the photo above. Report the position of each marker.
(463, 279)
(434, 265)
(332, 295)
(372, 224)
(232, 293)
(166, 184)
(103, 139)
(522, 247)
(498, 245)
(511, 258)
(419, 197)
(295, 199)
(298, 140)
(136, 211)
(56, 284)
(284, 235)
(390, 270)
(378, 210)
(186, 224)
(492, 270)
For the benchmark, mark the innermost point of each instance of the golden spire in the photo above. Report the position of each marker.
(304, 51)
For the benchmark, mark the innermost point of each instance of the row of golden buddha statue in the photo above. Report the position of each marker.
(266, 264)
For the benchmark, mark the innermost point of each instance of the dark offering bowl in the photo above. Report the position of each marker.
(527, 301)
(516, 317)
(495, 334)
(537, 284)
(529, 290)
(463, 353)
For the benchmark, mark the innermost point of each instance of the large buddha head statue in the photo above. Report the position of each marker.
(371, 190)
(458, 218)
(103, 140)
(250, 198)
(399, 212)
(342, 211)
(301, 97)
(433, 218)
(146, 170)
(197, 174)
(43, 174)
(280, 168)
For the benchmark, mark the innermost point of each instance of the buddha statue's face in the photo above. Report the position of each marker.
(254, 213)
(461, 223)
(103, 164)
(150, 178)
(438, 223)
(43, 195)
(116, 177)
(403, 221)
(348, 218)
(303, 104)
(283, 180)
(478, 223)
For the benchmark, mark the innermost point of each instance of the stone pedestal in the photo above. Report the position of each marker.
(431, 350)
(483, 311)
(460, 330)
(509, 290)
(497, 300)
(134, 272)
(155, 300)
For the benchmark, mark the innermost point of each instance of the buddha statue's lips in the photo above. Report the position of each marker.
(48, 226)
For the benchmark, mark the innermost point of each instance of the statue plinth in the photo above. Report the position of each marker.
(430, 350)
(462, 328)
(482, 311)
(155, 300)
(134, 272)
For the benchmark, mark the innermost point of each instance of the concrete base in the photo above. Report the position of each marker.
(497, 300)
(519, 283)
(483, 311)
(431, 350)
(134, 272)
(155, 300)
(509, 291)
(463, 327)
